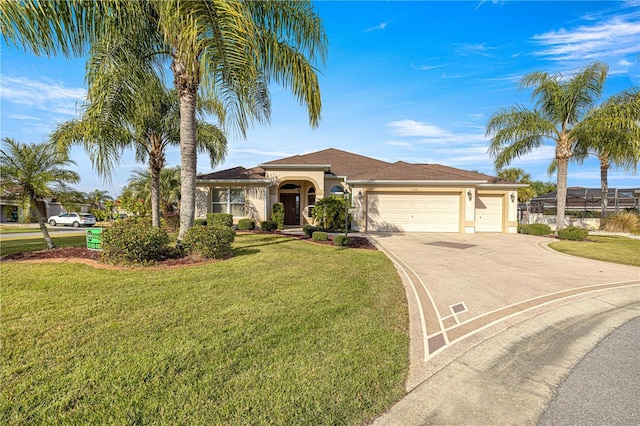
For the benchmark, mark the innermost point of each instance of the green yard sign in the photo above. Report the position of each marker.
(94, 238)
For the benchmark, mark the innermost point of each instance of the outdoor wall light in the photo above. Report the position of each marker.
(513, 197)
(470, 195)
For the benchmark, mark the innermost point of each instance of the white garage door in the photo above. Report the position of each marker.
(413, 212)
(489, 213)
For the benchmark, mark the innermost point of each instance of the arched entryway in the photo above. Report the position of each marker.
(296, 197)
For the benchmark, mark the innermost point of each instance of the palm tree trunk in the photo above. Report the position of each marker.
(604, 186)
(155, 196)
(187, 87)
(42, 220)
(563, 164)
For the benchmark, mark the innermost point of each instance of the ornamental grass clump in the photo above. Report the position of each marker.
(210, 242)
(133, 241)
(622, 222)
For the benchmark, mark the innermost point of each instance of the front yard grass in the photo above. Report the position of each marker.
(36, 242)
(608, 248)
(285, 332)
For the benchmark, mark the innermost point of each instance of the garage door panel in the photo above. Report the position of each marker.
(489, 213)
(413, 212)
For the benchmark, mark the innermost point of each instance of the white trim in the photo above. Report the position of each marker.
(232, 181)
(414, 182)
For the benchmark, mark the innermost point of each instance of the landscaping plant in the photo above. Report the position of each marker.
(329, 212)
(211, 241)
(277, 214)
(622, 222)
(225, 219)
(246, 224)
(572, 233)
(320, 236)
(268, 225)
(133, 241)
(341, 240)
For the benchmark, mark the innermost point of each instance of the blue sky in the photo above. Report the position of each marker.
(413, 81)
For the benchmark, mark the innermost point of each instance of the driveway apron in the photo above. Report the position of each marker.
(465, 288)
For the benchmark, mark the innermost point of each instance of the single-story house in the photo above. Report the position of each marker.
(384, 197)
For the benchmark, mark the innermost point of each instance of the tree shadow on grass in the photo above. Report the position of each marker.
(248, 249)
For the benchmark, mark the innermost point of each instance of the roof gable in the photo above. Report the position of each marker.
(403, 171)
(342, 163)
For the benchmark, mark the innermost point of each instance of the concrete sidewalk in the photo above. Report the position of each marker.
(511, 377)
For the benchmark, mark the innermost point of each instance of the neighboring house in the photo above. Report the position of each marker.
(9, 206)
(385, 197)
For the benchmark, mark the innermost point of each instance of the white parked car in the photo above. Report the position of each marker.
(74, 219)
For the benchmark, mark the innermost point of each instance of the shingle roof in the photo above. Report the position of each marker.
(236, 173)
(342, 163)
(421, 172)
(360, 167)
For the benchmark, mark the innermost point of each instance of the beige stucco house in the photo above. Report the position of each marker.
(384, 197)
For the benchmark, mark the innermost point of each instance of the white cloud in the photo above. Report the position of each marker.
(42, 95)
(24, 117)
(431, 134)
(479, 116)
(407, 145)
(427, 67)
(611, 39)
(480, 49)
(381, 26)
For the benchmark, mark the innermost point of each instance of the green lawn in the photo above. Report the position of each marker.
(285, 332)
(36, 242)
(610, 249)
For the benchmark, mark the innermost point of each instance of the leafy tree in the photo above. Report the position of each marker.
(69, 198)
(149, 125)
(232, 49)
(32, 172)
(562, 115)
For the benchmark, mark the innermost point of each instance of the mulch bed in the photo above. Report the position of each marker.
(169, 260)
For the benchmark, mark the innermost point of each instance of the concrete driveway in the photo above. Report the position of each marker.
(465, 288)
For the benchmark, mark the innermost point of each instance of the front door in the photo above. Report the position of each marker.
(291, 204)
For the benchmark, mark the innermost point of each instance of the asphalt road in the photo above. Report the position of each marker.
(604, 388)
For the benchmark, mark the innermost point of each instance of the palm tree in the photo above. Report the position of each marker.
(34, 170)
(229, 49)
(140, 188)
(97, 197)
(515, 174)
(145, 119)
(612, 147)
(561, 115)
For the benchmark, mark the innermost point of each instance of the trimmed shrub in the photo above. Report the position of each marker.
(211, 242)
(310, 229)
(200, 222)
(246, 224)
(172, 221)
(133, 241)
(341, 240)
(224, 219)
(622, 222)
(268, 225)
(535, 229)
(277, 214)
(320, 236)
(572, 233)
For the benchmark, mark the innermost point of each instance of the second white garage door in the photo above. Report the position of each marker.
(413, 212)
(489, 213)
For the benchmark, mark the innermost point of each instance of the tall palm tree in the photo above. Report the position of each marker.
(231, 49)
(610, 146)
(33, 171)
(145, 119)
(561, 115)
(140, 188)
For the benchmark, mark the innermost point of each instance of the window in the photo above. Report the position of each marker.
(229, 200)
(337, 189)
